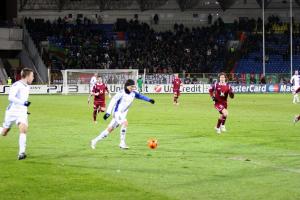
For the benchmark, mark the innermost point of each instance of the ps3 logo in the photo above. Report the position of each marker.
(5, 89)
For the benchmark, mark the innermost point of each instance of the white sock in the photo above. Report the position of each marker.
(22, 143)
(297, 97)
(102, 135)
(294, 99)
(123, 134)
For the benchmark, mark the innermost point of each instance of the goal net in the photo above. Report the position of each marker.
(81, 78)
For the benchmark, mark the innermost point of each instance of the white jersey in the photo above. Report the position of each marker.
(121, 102)
(295, 80)
(93, 81)
(18, 94)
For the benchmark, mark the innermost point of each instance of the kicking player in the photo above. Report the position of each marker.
(295, 81)
(93, 81)
(176, 88)
(219, 93)
(17, 109)
(98, 92)
(118, 107)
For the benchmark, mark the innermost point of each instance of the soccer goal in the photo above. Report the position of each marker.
(82, 77)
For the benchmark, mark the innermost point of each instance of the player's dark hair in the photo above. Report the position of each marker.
(222, 74)
(26, 72)
(129, 82)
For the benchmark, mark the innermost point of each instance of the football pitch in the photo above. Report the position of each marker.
(257, 158)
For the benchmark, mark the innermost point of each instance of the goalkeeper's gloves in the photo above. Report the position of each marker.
(231, 95)
(106, 116)
(152, 101)
(27, 103)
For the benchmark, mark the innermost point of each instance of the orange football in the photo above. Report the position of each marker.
(152, 143)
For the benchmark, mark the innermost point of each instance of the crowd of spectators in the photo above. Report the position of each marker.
(197, 50)
(81, 45)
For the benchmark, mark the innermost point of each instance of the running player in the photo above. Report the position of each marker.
(219, 93)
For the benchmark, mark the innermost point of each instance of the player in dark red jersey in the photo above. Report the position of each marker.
(98, 92)
(176, 88)
(219, 93)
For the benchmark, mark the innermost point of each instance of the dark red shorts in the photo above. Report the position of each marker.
(220, 106)
(98, 105)
(176, 92)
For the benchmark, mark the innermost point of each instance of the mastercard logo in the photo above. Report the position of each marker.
(274, 88)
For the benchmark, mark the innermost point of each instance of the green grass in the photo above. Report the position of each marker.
(258, 158)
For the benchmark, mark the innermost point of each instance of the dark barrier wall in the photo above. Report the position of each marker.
(8, 9)
(11, 9)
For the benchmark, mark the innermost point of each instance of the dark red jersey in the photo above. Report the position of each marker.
(176, 84)
(99, 88)
(220, 92)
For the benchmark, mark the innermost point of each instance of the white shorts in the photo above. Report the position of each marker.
(294, 89)
(10, 118)
(117, 120)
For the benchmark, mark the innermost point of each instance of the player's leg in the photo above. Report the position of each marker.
(296, 95)
(123, 135)
(4, 131)
(22, 141)
(178, 94)
(175, 98)
(8, 120)
(297, 118)
(224, 117)
(95, 111)
(23, 127)
(102, 107)
(112, 125)
(220, 108)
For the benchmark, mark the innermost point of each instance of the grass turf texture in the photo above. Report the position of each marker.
(258, 158)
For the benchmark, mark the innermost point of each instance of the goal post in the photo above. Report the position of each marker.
(109, 76)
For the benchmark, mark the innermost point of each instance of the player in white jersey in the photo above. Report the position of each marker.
(93, 82)
(118, 107)
(17, 109)
(295, 81)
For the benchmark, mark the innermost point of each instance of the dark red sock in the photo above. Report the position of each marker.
(219, 123)
(223, 120)
(175, 99)
(95, 115)
(298, 117)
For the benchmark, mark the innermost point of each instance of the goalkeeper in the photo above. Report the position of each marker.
(140, 84)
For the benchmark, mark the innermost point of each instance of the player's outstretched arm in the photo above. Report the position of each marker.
(107, 90)
(211, 92)
(142, 97)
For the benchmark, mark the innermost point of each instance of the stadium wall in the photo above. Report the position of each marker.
(153, 89)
